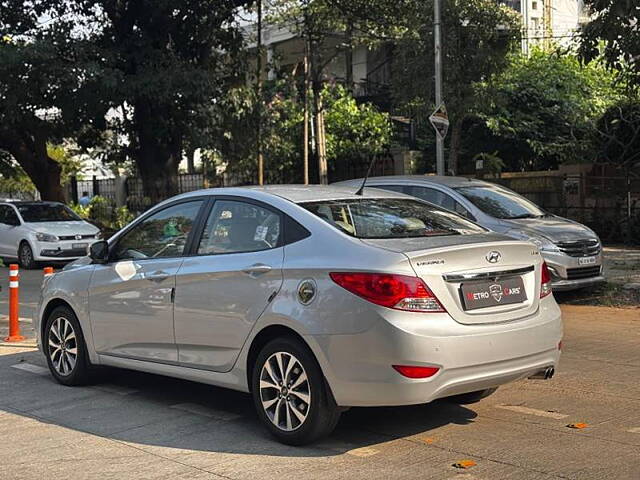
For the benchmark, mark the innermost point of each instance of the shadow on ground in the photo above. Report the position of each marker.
(227, 423)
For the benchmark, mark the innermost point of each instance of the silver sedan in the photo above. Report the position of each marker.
(314, 299)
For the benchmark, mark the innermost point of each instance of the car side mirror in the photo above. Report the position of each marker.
(99, 251)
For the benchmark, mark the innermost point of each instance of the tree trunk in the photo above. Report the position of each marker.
(31, 155)
(158, 156)
(321, 141)
(456, 136)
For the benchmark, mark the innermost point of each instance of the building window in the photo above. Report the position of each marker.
(534, 5)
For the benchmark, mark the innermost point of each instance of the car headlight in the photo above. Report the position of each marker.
(540, 241)
(45, 237)
(98, 236)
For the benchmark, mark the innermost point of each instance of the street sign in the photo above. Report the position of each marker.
(440, 121)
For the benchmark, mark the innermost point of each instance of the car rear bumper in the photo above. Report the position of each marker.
(359, 367)
(562, 285)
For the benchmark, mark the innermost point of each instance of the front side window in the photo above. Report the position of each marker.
(163, 234)
(501, 203)
(390, 218)
(234, 227)
(47, 213)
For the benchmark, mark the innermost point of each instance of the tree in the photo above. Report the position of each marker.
(40, 92)
(477, 38)
(148, 72)
(541, 110)
(167, 64)
(353, 131)
(613, 32)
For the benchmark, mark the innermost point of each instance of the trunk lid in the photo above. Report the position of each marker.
(453, 262)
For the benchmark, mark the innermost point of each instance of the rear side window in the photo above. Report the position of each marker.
(391, 218)
(235, 227)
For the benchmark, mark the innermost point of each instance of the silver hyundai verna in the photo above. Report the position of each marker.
(572, 251)
(314, 299)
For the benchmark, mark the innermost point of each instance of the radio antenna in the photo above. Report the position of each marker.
(364, 180)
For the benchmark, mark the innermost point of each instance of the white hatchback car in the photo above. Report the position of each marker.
(43, 231)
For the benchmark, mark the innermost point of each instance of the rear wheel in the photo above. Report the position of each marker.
(471, 397)
(290, 393)
(65, 348)
(25, 256)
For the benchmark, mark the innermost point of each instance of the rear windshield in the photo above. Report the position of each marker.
(391, 218)
(501, 203)
(47, 213)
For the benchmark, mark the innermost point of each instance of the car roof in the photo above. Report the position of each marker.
(28, 202)
(300, 193)
(452, 182)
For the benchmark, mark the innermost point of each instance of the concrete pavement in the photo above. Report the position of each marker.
(139, 426)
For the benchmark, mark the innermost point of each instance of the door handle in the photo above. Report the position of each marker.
(257, 269)
(157, 277)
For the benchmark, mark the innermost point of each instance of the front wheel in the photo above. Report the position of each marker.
(290, 393)
(25, 256)
(64, 347)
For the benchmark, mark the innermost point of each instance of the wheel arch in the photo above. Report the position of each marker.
(269, 333)
(51, 306)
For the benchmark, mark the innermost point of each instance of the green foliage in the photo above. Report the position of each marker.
(541, 110)
(613, 32)
(70, 164)
(101, 212)
(492, 163)
(477, 36)
(618, 134)
(353, 130)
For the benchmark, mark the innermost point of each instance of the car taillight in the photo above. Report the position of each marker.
(400, 292)
(545, 280)
(411, 371)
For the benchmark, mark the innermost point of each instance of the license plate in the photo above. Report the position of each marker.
(79, 245)
(587, 260)
(490, 294)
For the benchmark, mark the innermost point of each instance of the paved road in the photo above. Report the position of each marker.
(138, 426)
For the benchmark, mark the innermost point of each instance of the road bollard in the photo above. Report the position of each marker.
(14, 306)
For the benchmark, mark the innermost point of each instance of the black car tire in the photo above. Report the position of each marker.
(25, 256)
(79, 374)
(322, 413)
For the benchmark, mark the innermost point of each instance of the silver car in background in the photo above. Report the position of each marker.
(572, 251)
(314, 299)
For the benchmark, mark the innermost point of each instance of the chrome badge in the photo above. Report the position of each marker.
(493, 256)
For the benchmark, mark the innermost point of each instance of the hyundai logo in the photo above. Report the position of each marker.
(78, 237)
(493, 256)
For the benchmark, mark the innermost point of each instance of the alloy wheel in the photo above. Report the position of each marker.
(26, 256)
(63, 346)
(284, 391)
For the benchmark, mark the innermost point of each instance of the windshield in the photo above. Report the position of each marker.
(391, 218)
(47, 213)
(501, 203)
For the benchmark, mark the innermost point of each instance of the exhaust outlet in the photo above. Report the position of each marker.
(544, 374)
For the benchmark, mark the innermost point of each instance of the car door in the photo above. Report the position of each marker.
(9, 231)
(223, 289)
(130, 297)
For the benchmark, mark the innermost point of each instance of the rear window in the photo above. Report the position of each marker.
(391, 218)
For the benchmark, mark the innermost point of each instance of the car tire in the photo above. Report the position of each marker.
(65, 349)
(301, 409)
(471, 397)
(25, 256)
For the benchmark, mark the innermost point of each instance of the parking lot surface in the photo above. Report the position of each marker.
(138, 426)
